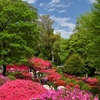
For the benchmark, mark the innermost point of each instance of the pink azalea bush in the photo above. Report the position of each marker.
(66, 94)
(21, 90)
(92, 80)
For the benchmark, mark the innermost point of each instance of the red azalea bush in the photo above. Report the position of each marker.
(71, 84)
(60, 83)
(20, 90)
(77, 86)
(55, 76)
(39, 63)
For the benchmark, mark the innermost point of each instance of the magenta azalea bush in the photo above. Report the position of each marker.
(21, 90)
(68, 94)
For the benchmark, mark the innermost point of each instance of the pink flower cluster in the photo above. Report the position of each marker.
(20, 90)
(92, 80)
(68, 94)
(40, 63)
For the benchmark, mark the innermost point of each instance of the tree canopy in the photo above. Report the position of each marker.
(18, 31)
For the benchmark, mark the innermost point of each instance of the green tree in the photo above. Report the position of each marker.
(74, 65)
(18, 31)
(48, 38)
(94, 52)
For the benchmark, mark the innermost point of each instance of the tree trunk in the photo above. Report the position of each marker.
(52, 55)
(34, 72)
(4, 70)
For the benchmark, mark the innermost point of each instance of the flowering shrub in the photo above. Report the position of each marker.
(3, 79)
(48, 71)
(60, 83)
(77, 86)
(71, 84)
(92, 80)
(13, 68)
(40, 63)
(68, 94)
(55, 76)
(20, 90)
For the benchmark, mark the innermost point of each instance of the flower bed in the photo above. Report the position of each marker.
(20, 90)
(68, 94)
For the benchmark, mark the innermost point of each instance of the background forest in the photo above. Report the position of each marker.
(24, 34)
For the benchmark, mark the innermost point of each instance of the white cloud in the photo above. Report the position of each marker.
(63, 25)
(92, 1)
(41, 4)
(56, 4)
(61, 11)
(63, 22)
(54, 1)
(52, 9)
(64, 33)
(30, 1)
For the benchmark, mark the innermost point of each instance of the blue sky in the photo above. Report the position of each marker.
(63, 12)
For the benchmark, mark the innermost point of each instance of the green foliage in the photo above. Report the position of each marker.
(73, 80)
(51, 84)
(76, 63)
(17, 74)
(68, 80)
(95, 90)
(63, 77)
(86, 87)
(59, 70)
(18, 31)
(11, 77)
(81, 83)
(76, 82)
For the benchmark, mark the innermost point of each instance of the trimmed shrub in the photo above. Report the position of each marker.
(63, 78)
(68, 80)
(86, 87)
(81, 83)
(95, 90)
(73, 80)
(11, 77)
(75, 83)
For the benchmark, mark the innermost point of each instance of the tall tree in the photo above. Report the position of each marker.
(46, 33)
(18, 31)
